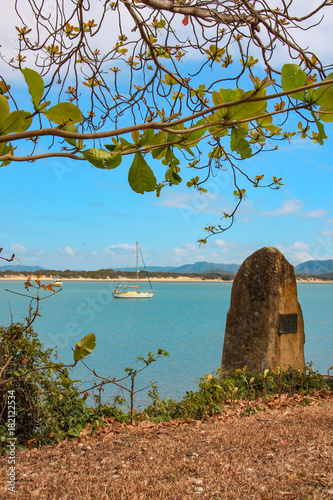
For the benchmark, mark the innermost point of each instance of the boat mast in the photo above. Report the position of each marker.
(137, 267)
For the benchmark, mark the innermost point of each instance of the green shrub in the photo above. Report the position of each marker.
(47, 403)
(216, 391)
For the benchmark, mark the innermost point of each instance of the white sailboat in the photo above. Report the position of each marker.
(132, 291)
(57, 281)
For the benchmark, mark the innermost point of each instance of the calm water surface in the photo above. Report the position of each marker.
(185, 319)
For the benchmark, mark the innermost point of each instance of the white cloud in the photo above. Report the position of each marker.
(67, 251)
(120, 246)
(189, 251)
(319, 212)
(288, 207)
(217, 251)
(225, 244)
(297, 253)
(19, 249)
(296, 207)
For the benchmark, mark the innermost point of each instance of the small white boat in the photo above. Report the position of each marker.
(132, 291)
(57, 281)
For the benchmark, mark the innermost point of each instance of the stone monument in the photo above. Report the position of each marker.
(264, 327)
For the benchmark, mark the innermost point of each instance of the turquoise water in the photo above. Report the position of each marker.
(185, 319)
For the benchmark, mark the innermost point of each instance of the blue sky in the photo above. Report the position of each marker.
(64, 215)
(68, 215)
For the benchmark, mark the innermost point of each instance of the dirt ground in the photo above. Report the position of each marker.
(283, 452)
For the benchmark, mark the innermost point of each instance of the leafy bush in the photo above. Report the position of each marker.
(216, 391)
(47, 403)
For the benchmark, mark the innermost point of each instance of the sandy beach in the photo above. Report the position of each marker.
(121, 278)
(178, 279)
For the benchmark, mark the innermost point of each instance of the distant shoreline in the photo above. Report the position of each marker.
(120, 279)
(178, 279)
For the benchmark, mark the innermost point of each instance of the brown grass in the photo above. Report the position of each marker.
(284, 452)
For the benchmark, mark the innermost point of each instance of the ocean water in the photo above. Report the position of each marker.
(185, 319)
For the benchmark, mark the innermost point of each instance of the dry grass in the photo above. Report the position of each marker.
(283, 452)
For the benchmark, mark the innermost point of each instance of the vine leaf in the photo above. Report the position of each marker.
(140, 176)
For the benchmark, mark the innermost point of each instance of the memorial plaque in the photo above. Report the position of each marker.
(288, 323)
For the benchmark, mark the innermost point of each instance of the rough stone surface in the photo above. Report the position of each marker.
(264, 288)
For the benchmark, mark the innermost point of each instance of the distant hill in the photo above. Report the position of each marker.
(316, 267)
(313, 267)
(196, 268)
(203, 267)
(20, 268)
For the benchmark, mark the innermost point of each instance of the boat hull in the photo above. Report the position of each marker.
(133, 295)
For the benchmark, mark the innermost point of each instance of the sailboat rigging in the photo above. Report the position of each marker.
(124, 292)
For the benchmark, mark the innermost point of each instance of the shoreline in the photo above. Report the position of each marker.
(178, 279)
(120, 279)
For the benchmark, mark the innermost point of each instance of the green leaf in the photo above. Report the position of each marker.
(70, 128)
(84, 347)
(4, 109)
(321, 131)
(146, 137)
(136, 137)
(219, 130)
(187, 148)
(173, 176)
(140, 176)
(169, 80)
(267, 124)
(63, 113)
(327, 117)
(159, 153)
(110, 147)
(324, 95)
(17, 121)
(230, 95)
(217, 98)
(35, 84)
(6, 149)
(193, 138)
(74, 433)
(114, 160)
(248, 109)
(239, 143)
(101, 158)
(158, 138)
(292, 77)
